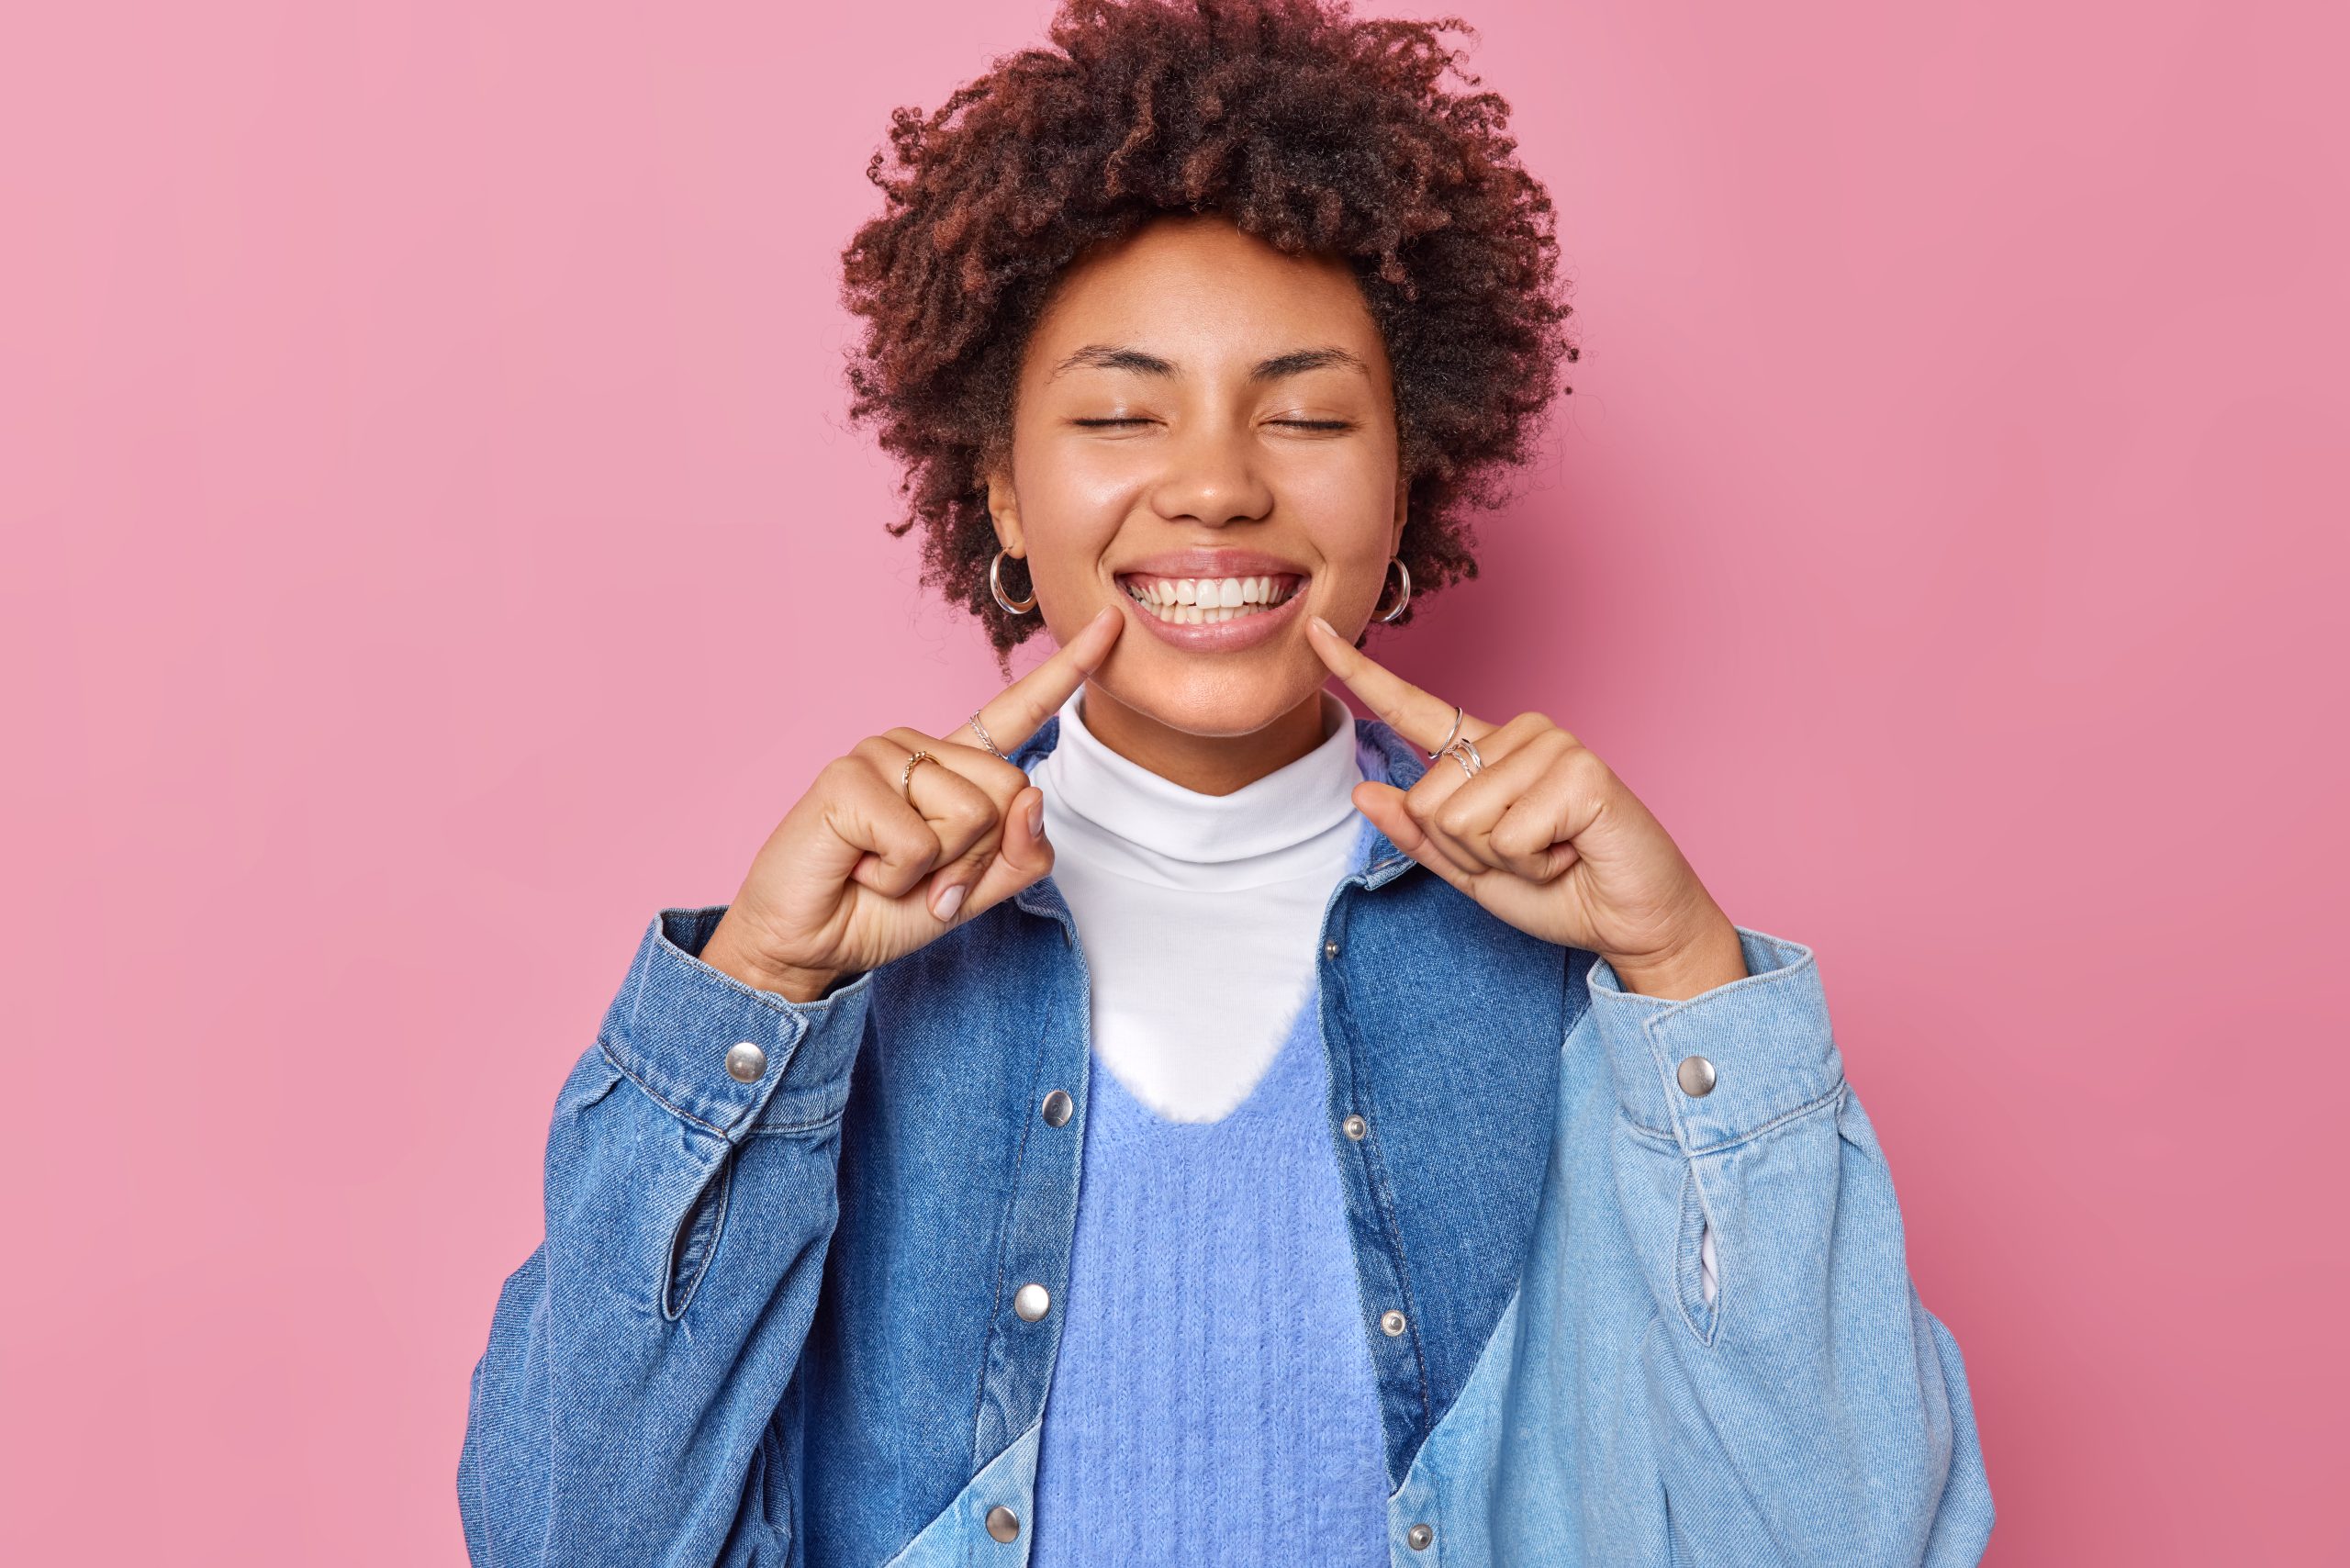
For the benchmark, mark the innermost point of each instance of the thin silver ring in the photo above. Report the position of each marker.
(985, 739)
(1464, 752)
(1448, 733)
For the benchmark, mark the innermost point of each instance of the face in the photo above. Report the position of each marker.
(1204, 436)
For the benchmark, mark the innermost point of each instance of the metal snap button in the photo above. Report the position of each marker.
(1329, 949)
(1420, 1536)
(1002, 1523)
(746, 1061)
(1391, 1322)
(1696, 1076)
(1057, 1106)
(1031, 1302)
(1355, 1127)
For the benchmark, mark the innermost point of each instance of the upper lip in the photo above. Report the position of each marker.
(1211, 563)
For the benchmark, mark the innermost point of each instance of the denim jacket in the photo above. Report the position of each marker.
(773, 1318)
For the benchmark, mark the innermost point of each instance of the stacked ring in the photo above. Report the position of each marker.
(985, 739)
(1446, 744)
(905, 779)
(1464, 752)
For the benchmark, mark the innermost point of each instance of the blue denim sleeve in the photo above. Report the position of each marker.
(1812, 1411)
(624, 1410)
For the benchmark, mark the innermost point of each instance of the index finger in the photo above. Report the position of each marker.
(1021, 708)
(1420, 717)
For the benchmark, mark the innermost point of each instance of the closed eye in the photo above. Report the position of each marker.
(1286, 424)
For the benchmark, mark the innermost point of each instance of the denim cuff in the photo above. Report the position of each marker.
(1766, 1037)
(676, 1021)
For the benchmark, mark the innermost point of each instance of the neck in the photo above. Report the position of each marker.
(1206, 765)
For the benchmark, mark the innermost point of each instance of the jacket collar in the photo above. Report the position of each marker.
(1404, 767)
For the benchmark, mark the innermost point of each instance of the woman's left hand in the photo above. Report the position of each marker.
(1544, 836)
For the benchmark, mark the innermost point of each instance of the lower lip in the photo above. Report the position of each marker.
(1223, 637)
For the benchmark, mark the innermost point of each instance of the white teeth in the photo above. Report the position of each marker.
(1203, 601)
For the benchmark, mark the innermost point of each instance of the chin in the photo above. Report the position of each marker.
(1191, 694)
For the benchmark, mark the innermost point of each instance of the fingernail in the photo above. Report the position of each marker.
(1036, 818)
(1105, 613)
(946, 903)
(1324, 624)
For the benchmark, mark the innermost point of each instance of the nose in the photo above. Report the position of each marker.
(1210, 477)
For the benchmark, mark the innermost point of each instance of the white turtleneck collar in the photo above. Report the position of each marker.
(1153, 828)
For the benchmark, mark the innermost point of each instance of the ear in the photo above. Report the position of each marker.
(1402, 512)
(1003, 506)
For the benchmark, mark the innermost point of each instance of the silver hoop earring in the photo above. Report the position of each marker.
(995, 587)
(1404, 598)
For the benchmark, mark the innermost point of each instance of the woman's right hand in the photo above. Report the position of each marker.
(861, 873)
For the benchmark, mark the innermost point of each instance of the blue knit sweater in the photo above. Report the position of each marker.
(1212, 1400)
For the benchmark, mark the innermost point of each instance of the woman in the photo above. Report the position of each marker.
(1158, 1118)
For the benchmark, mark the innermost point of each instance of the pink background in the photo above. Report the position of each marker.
(435, 544)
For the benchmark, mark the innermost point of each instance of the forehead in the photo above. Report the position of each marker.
(1203, 292)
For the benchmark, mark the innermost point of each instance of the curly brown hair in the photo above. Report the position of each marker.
(1306, 126)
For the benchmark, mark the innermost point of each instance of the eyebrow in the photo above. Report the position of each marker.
(1112, 356)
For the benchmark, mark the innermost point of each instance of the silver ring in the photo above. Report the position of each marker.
(1439, 751)
(1464, 752)
(985, 739)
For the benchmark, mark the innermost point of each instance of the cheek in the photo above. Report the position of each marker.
(1071, 511)
(1351, 516)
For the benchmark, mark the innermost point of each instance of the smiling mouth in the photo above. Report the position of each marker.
(1205, 601)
